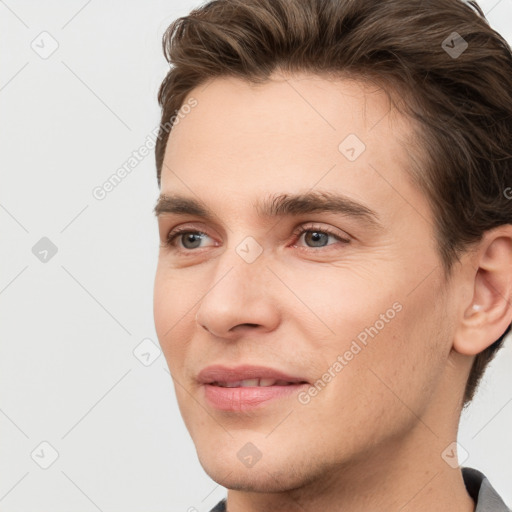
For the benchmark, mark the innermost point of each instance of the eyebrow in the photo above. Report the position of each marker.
(276, 206)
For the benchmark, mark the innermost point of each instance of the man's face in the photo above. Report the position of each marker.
(356, 306)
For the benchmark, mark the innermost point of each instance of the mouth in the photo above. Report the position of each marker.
(249, 383)
(247, 387)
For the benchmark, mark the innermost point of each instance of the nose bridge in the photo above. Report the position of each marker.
(243, 259)
(238, 292)
(240, 272)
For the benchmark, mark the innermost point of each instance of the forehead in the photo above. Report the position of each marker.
(305, 107)
(289, 133)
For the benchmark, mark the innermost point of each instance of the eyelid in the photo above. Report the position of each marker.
(304, 227)
(342, 238)
(180, 230)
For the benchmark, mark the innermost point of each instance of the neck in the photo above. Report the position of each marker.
(406, 474)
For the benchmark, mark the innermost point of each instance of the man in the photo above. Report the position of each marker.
(335, 269)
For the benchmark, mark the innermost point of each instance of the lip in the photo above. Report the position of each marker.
(240, 399)
(219, 373)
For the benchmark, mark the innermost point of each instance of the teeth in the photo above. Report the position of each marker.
(267, 382)
(230, 384)
(252, 383)
(248, 383)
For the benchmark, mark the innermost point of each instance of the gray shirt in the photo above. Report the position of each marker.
(477, 485)
(481, 490)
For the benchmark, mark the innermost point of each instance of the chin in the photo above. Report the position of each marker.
(270, 474)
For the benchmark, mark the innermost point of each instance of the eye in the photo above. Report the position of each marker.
(317, 235)
(188, 237)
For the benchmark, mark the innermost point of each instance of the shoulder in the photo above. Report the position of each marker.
(482, 492)
(220, 507)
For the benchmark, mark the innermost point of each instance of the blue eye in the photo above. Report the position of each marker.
(190, 239)
(187, 236)
(318, 235)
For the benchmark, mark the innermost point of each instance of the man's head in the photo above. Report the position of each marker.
(397, 295)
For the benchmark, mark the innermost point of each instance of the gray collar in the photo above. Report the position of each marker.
(477, 485)
(482, 492)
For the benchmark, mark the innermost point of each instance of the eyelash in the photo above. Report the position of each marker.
(296, 234)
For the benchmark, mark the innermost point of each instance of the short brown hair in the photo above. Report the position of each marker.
(460, 97)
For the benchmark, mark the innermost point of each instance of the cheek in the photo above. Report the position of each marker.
(162, 305)
(403, 362)
(392, 342)
(340, 302)
(395, 373)
(172, 310)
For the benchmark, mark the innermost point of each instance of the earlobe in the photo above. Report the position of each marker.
(489, 312)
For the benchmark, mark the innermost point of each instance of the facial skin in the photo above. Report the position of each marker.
(373, 437)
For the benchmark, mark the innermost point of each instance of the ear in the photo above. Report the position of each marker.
(487, 315)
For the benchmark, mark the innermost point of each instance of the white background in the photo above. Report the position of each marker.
(69, 326)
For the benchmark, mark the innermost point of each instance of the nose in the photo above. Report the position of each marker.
(241, 299)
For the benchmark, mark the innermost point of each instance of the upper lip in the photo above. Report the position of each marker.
(219, 373)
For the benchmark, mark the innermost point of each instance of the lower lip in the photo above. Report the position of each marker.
(241, 399)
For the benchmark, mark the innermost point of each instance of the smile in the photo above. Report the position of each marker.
(253, 383)
(247, 387)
